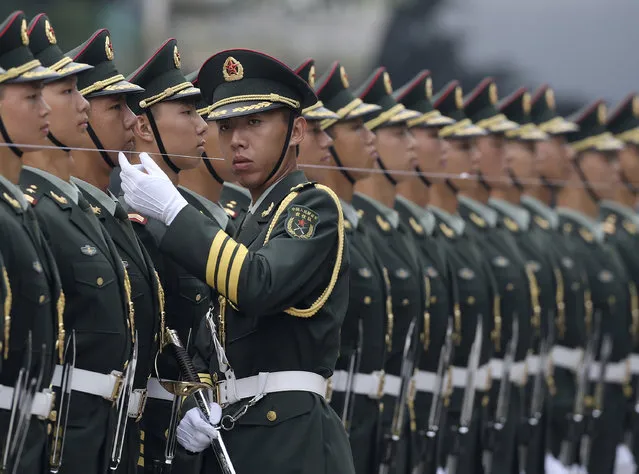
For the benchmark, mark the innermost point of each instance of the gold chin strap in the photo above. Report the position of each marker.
(317, 305)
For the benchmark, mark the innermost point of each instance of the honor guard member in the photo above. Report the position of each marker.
(111, 128)
(202, 186)
(170, 129)
(280, 320)
(351, 157)
(578, 206)
(621, 224)
(411, 203)
(410, 288)
(32, 300)
(469, 271)
(95, 283)
(546, 177)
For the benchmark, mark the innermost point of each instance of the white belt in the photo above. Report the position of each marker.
(42, 402)
(616, 372)
(458, 375)
(568, 358)
(482, 378)
(156, 391)
(137, 402)
(271, 382)
(94, 383)
(534, 364)
(634, 364)
(518, 371)
(425, 381)
(392, 385)
(371, 385)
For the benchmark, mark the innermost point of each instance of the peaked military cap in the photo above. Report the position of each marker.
(306, 71)
(162, 79)
(203, 109)
(417, 94)
(104, 78)
(450, 103)
(333, 89)
(378, 89)
(592, 134)
(44, 46)
(15, 56)
(624, 120)
(481, 107)
(241, 82)
(516, 107)
(543, 113)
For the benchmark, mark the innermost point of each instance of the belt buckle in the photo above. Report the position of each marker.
(381, 384)
(142, 404)
(117, 386)
(329, 390)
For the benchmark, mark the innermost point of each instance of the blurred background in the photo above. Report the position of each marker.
(584, 48)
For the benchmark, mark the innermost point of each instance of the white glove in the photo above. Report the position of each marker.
(553, 465)
(152, 193)
(624, 461)
(194, 433)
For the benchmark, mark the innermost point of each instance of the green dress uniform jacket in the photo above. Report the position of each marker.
(507, 265)
(368, 305)
(608, 281)
(32, 301)
(97, 308)
(570, 331)
(392, 242)
(148, 301)
(477, 297)
(187, 300)
(284, 303)
(620, 226)
(420, 224)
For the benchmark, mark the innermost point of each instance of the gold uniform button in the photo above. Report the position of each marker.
(367, 300)
(198, 297)
(49, 428)
(271, 415)
(433, 299)
(100, 281)
(510, 287)
(405, 302)
(471, 300)
(41, 299)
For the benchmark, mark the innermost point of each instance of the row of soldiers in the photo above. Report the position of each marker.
(492, 311)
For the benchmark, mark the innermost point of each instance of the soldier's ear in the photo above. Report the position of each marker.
(299, 131)
(142, 129)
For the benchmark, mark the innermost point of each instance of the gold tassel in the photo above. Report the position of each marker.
(163, 340)
(60, 305)
(127, 290)
(426, 334)
(534, 297)
(634, 311)
(390, 318)
(496, 332)
(222, 320)
(7, 312)
(561, 305)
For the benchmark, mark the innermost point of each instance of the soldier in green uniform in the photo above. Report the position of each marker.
(95, 283)
(283, 302)
(31, 293)
(375, 199)
(620, 221)
(541, 182)
(578, 207)
(111, 128)
(471, 274)
(170, 129)
(353, 155)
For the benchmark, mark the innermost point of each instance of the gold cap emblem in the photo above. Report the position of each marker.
(23, 32)
(635, 106)
(48, 30)
(492, 93)
(459, 98)
(429, 88)
(232, 70)
(525, 103)
(311, 76)
(344, 77)
(601, 113)
(176, 58)
(387, 84)
(550, 98)
(108, 48)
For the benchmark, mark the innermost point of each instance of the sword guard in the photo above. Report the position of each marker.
(183, 388)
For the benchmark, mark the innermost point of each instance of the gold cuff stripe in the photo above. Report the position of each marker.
(251, 97)
(226, 252)
(385, 116)
(205, 377)
(234, 274)
(166, 93)
(99, 85)
(319, 303)
(211, 262)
